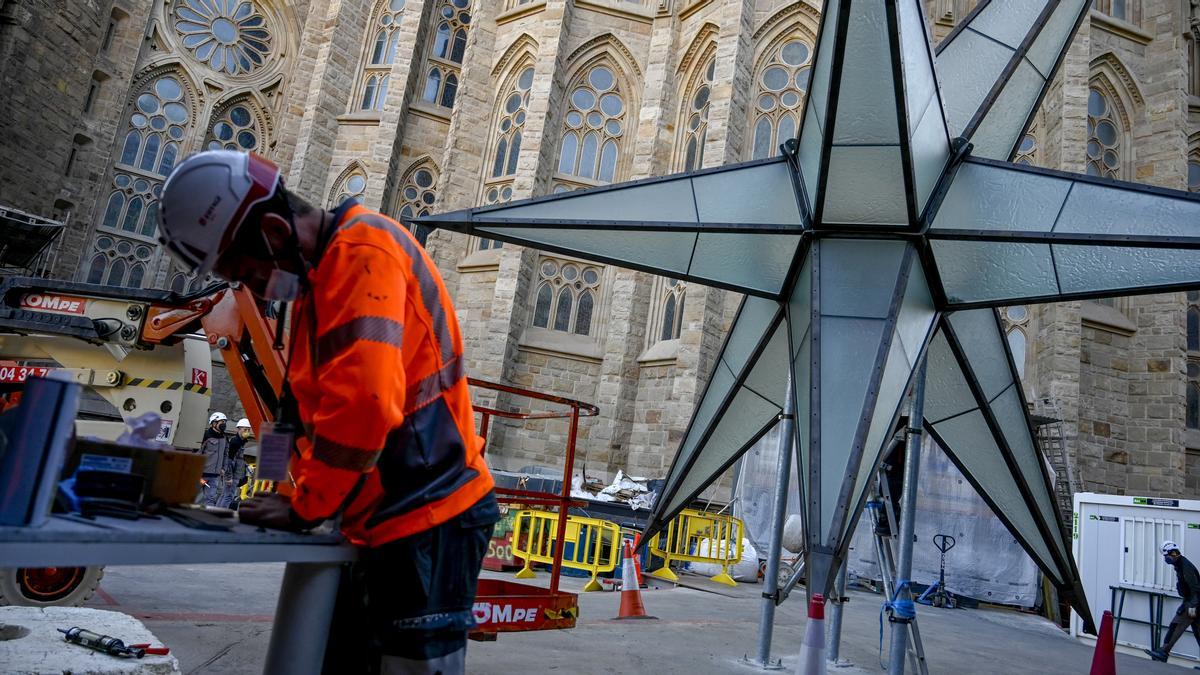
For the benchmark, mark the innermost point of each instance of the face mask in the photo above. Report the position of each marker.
(282, 286)
(1169, 560)
(221, 427)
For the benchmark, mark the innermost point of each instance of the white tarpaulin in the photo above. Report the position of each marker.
(986, 563)
(755, 490)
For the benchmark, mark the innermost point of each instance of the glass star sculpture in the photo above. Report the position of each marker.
(886, 233)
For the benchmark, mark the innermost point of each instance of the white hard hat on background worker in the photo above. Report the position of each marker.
(243, 423)
(217, 417)
(1168, 546)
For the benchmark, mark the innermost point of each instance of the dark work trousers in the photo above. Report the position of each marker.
(1179, 625)
(405, 607)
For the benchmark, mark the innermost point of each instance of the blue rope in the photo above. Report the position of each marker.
(902, 611)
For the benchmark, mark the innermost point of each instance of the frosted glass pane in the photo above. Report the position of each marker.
(968, 66)
(1011, 417)
(848, 353)
(666, 251)
(992, 198)
(751, 325)
(810, 156)
(747, 418)
(800, 305)
(866, 186)
(818, 90)
(866, 105)
(668, 201)
(858, 276)
(973, 271)
(769, 377)
(756, 194)
(720, 383)
(919, 83)
(969, 441)
(1049, 43)
(983, 346)
(1008, 21)
(1098, 268)
(1099, 209)
(917, 313)
(998, 133)
(946, 391)
(892, 390)
(930, 150)
(759, 261)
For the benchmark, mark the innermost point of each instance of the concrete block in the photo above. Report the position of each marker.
(30, 642)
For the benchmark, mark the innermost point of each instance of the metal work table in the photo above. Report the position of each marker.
(306, 596)
(1157, 600)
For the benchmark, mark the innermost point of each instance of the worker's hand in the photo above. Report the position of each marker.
(204, 482)
(268, 510)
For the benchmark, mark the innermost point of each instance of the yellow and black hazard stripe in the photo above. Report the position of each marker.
(165, 384)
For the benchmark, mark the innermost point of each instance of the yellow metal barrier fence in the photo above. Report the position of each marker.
(592, 544)
(695, 536)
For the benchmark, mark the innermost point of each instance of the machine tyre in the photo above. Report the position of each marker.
(48, 586)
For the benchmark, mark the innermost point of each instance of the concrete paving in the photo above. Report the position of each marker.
(30, 643)
(217, 619)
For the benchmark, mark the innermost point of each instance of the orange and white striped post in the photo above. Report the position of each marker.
(812, 650)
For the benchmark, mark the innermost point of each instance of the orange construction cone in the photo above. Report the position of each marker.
(812, 650)
(1104, 661)
(631, 595)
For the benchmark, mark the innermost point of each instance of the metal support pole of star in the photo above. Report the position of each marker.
(887, 232)
(783, 468)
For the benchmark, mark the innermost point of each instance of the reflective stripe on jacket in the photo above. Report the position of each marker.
(378, 376)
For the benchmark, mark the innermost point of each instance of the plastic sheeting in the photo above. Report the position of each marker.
(986, 563)
(755, 490)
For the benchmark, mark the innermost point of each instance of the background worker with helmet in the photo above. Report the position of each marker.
(233, 473)
(214, 447)
(375, 382)
(1187, 584)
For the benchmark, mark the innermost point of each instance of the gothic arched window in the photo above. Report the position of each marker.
(694, 118)
(508, 132)
(417, 196)
(594, 127)
(235, 128)
(383, 41)
(567, 295)
(351, 185)
(674, 292)
(447, 50)
(1193, 174)
(1104, 136)
(158, 123)
(782, 84)
(1027, 149)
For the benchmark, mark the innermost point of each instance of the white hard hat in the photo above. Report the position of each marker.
(205, 201)
(1168, 546)
(216, 417)
(243, 423)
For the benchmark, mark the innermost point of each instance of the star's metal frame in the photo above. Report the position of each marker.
(885, 234)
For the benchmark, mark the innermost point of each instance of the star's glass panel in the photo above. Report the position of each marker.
(930, 144)
(742, 400)
(988, 197)
(972, 62)
(953, 415)
(986, 271)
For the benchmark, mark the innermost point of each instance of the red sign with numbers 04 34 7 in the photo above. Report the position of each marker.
(14, 374)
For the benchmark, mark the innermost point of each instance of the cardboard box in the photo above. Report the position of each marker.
(171, 475)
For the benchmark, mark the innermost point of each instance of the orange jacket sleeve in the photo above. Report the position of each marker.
(359, 295)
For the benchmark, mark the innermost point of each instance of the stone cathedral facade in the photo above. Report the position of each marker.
(413, 106)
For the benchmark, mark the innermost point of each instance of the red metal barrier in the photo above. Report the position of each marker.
(506, 606)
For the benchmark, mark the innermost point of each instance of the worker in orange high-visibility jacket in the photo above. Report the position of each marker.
(376, 373)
